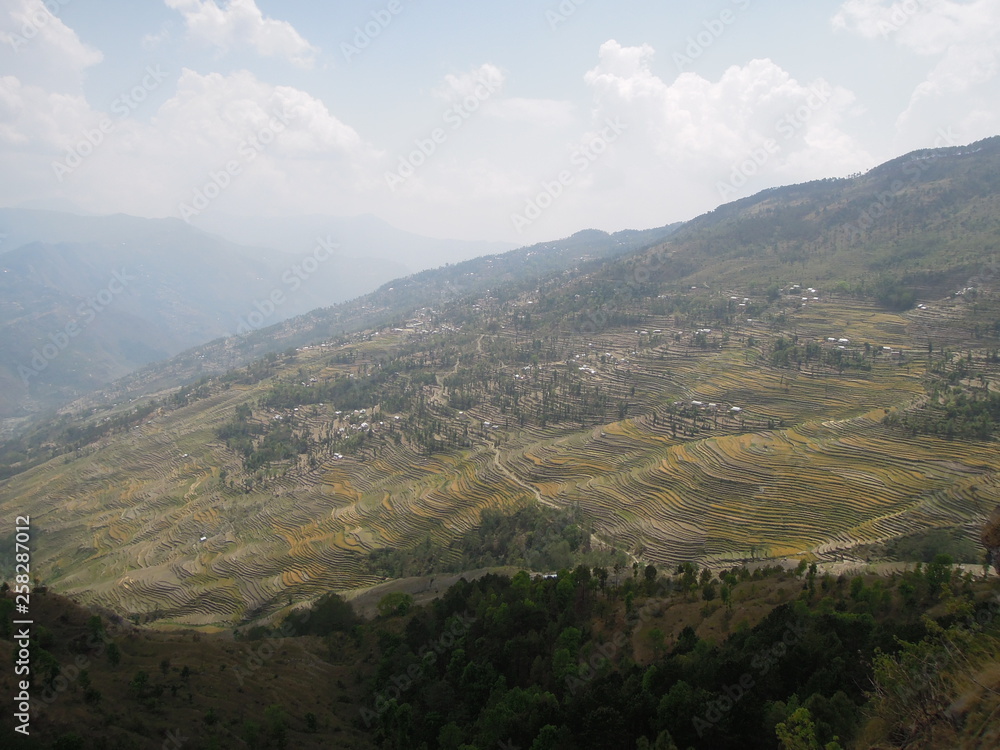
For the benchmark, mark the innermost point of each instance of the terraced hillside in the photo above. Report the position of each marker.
(699, 449)
(691, 414)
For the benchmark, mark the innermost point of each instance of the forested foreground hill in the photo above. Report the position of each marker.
(636, 658)
(712, 397)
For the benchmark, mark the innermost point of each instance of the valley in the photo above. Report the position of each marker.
(679, 445)
(778, 419)
(689, 409)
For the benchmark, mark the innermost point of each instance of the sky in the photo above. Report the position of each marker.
(520, 121)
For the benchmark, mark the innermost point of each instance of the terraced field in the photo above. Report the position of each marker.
(820, 488)
(770, 462)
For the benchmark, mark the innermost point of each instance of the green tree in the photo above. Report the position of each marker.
(114, 654)
(331, 613)
(276, 725)
(395, 604)
(650, 575)
(95, 626)
(138, 685)
(547, 738)
(798, 732)
(601, 574)
(726, 594)
(938, 573)
(656, 641)
(251, 734)
(312, 722)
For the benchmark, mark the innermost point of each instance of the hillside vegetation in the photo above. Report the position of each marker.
(635, 659)
(793, 375)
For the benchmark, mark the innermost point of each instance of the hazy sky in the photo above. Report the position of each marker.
(520, 120)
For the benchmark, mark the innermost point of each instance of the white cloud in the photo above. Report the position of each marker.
(491, 148)
(37, 120)
(486, 83)
(152, 41)
(290, 148)
(962, 39)
(680, 139)
(699, 133)
(222, 110)
(927, 27)
(291, 152)
(39, 49)
(241, 22)
(551, 113)
(458, 87)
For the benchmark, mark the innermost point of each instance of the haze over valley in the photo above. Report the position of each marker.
(385, 376)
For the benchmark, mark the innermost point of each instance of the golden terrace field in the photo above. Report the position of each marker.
(163, 521)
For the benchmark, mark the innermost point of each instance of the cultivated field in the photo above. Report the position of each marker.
(680, 444)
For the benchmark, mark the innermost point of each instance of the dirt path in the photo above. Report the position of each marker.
(517, 480)
(595, 539)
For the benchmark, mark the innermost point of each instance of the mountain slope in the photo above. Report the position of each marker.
(76, 316)
(927, 220)
(87, 300)
(453, 286)
(692, 404)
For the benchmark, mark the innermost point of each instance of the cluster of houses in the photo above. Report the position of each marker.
(843, 343)
(810, 294)
(710, 407)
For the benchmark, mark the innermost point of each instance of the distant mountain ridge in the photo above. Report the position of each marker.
(888, 228)
(449, 285)
(365, 237)
(868, 234)
(184, 287)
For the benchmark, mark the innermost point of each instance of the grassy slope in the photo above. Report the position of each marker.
(120, 525)
(808, 468)
(230, 683)
(236, 680)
